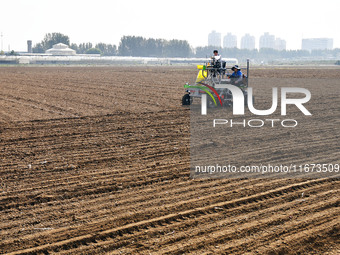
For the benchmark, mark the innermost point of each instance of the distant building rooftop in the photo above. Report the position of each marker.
(60, 49)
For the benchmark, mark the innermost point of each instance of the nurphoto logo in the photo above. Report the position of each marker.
(238, 104)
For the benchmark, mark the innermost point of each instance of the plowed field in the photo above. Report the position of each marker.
(95, 160)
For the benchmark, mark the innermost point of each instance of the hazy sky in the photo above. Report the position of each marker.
(107, 21)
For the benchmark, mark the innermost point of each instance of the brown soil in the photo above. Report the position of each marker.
(96, 160)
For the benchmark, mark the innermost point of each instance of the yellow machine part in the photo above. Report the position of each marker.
(202, 74)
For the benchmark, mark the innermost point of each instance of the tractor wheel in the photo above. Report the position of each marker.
(186, 99)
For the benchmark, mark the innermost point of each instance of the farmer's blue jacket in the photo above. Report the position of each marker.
(237, 74)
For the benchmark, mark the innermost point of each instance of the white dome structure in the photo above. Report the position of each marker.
(60, 49)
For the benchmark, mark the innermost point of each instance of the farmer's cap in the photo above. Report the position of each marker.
(235, 67)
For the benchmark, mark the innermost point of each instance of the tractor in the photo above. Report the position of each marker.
(210, 75)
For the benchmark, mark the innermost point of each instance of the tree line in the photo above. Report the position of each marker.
(83, 48)
(138, 46)
(129, 46)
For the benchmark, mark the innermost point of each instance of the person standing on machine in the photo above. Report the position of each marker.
(216, 59)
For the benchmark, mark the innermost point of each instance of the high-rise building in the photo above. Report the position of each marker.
(280, 44)
(248, 42)
(267, 41)
(214, 39)
(230, 41)
(317, 44)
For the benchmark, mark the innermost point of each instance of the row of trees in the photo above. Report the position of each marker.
(141, 47)
(83, 48)
(128, 46)
(99, 48)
